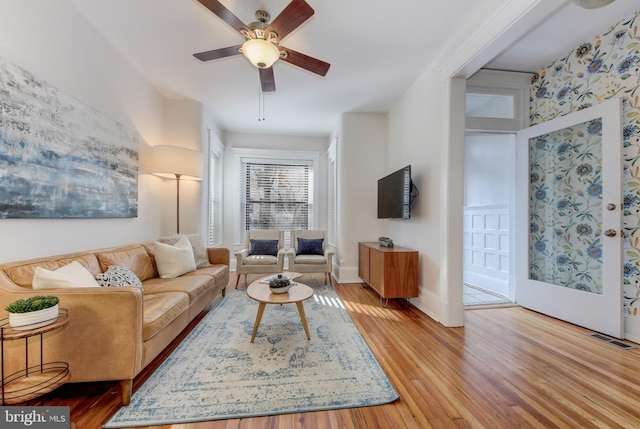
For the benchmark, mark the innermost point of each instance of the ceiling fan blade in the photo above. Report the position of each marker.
(267, 81)
(296, 12)
(304, 61)
(218, 53)
(223, 13)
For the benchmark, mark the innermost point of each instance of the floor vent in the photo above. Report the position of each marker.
(613, 341)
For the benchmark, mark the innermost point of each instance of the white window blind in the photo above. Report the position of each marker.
(215, 196)
(333, 201)
(276, 196)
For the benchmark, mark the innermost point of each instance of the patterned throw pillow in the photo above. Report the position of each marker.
(310, 246)
(264, 247)
(118, 276)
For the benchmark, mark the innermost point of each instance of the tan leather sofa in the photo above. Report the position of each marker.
(113, 332)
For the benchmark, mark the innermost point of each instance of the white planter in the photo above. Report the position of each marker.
(33, 319)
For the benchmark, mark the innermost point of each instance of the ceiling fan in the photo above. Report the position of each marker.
(262, 40)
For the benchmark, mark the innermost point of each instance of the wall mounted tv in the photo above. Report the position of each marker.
(396, 192)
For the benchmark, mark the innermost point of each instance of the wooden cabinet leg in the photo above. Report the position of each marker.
(126, 389)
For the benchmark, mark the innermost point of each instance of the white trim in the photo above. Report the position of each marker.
(499, 82)
(452, 202)
(216, 148)
(632, 328)
(510, 21)
(344, 274)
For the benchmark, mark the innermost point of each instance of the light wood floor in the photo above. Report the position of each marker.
(507, 368)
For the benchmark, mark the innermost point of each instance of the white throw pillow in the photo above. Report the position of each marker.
(176, 260)
(199, 250)
(67, 276)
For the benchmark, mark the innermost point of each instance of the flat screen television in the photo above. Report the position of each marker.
(395, 195)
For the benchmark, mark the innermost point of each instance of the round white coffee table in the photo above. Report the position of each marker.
(298, 292)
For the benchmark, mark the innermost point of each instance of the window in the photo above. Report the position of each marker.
(490, 106)
(333, 193)
(215, 192)
(497, 101)
(277, 195)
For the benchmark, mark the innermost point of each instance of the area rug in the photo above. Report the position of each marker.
(216, 373)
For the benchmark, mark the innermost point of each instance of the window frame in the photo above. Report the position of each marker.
(308, 165)
(240, 155)
(215, 192)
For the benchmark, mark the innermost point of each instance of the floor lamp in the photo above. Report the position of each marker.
(175, 162)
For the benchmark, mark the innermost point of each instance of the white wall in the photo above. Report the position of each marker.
(428, 122)
(416, 137)
(488, 163)
(188, 124)
(52, 40)
(362, 142)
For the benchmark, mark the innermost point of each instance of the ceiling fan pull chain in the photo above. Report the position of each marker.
(260, 104)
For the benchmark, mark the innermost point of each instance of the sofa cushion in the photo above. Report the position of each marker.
(260, 260)
(135, 258)
(22, 273)
(174, 260)
(310, 259)
(72, 275)
(118, 276)
(217, 271)
(160, 309)
(193, 286)
(199, 250)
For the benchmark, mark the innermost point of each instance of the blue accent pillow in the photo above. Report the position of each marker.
(310, 246)
(263, 247)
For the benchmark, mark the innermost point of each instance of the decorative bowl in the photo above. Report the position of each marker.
(279, 284)
(33, 319)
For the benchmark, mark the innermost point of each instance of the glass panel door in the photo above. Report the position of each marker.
(568, 214)
(565, 207)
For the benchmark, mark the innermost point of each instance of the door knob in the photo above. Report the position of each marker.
(610, 233)
(611, 206)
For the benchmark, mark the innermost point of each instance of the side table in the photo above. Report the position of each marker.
(260, 292)
(31, 382)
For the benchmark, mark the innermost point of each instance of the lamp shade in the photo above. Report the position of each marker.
(592, 4)
(261, 53)
(172, 161)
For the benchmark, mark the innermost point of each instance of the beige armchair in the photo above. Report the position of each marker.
(310, 253)
(260, 254)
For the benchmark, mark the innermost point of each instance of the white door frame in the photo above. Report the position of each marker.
(510, 21)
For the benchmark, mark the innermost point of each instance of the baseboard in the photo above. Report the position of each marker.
(346, 275)
(429, 303)
(632, 329)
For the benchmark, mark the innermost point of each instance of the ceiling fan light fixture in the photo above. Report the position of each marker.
(592, 4)
(261, 53)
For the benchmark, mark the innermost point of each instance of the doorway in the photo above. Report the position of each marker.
(489, 186)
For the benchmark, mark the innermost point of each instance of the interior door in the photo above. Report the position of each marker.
(569, 193)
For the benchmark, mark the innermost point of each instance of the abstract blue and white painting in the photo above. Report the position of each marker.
(60, 158)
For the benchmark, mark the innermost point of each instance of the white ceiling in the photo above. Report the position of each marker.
(370, 44)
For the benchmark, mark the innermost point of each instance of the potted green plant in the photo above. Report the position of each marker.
(33, 312)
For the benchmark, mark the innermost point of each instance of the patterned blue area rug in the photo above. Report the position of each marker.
(216, 373)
